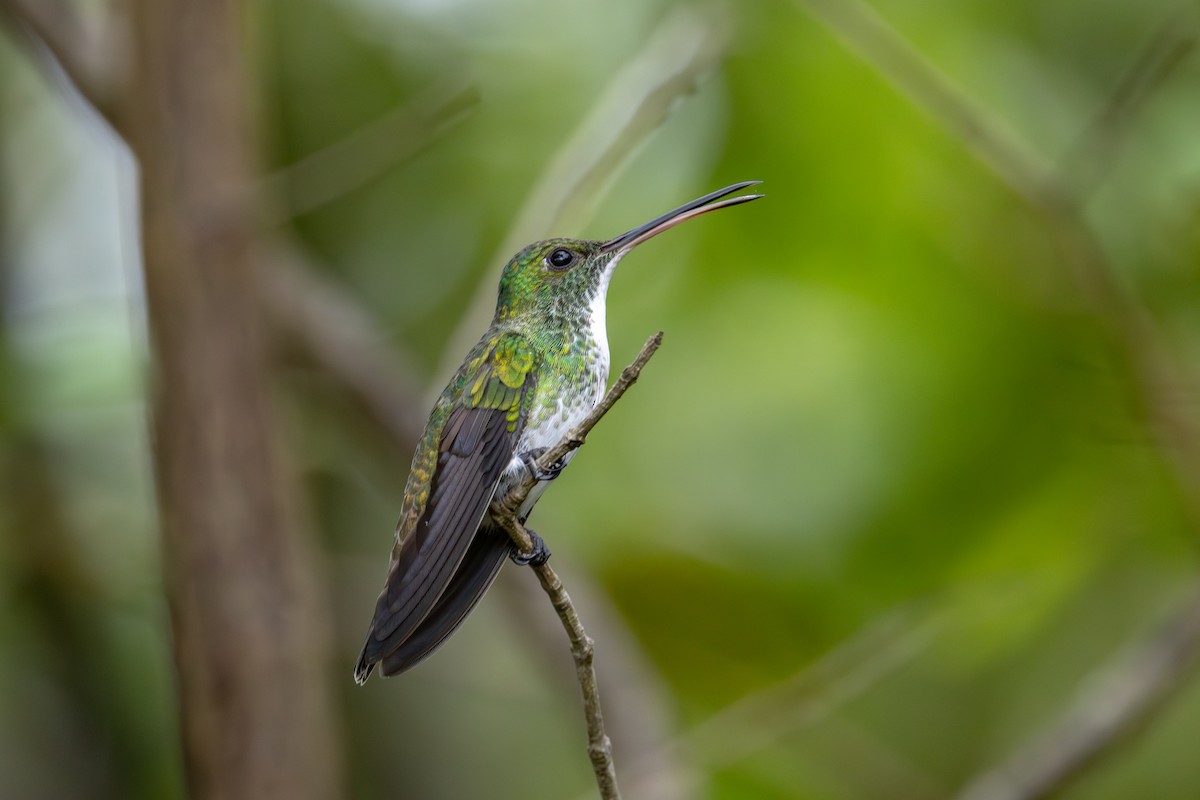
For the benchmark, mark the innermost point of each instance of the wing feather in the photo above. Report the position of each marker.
(487, 553)
(434, 539)
(461, 490)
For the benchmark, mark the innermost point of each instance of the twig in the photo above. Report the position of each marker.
(582, 650)
(639, 715)
(682, 50)
(504, 511)
(1120, 698)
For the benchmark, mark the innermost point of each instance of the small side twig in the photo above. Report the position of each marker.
(504, 511)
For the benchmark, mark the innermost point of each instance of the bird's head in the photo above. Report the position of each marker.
(561, 277)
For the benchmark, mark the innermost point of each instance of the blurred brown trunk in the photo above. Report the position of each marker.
(249, 638)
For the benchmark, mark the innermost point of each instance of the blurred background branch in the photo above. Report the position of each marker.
(976, 126)
(1110, 705)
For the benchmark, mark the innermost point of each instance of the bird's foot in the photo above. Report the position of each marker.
(530, 457)
(539, 555)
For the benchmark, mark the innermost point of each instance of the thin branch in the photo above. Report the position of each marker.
(1116, 702)
(686, 47)
(582, 650)
(504, 511)
(57, 28)
(639, 717)
(349, 163)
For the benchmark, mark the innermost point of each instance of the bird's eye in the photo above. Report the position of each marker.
(561, 258)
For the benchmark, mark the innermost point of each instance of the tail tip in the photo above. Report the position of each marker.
(362, 670)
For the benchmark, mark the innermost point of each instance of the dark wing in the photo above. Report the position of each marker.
(487, 553)
(476, 443)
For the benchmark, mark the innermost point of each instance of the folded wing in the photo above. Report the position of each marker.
(425, 598)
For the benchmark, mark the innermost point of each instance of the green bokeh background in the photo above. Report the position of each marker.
(882, 418)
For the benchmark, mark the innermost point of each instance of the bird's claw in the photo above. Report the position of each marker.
(539, 555)
(530, 457)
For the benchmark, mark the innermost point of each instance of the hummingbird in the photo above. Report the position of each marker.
(537, 371)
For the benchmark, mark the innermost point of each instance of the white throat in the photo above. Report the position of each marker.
(598, 316)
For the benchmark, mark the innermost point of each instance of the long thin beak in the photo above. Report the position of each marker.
(701, 205)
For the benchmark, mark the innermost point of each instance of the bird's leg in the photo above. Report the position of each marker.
(529, 459)
(534, 558)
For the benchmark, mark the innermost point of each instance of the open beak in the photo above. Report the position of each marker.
(701, 205)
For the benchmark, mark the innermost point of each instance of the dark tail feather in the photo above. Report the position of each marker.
(362, 670)
(475, 574)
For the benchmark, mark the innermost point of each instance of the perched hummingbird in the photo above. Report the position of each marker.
(538, 370)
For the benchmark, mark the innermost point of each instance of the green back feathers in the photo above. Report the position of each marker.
(501, 377)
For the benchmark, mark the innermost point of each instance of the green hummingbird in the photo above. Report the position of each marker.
(538, 370)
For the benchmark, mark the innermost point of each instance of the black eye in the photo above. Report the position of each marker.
(561, 258)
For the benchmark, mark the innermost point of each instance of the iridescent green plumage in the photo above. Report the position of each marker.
(539, 368)
(494, 376)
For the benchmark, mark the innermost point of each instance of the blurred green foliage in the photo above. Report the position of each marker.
(879, 394)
